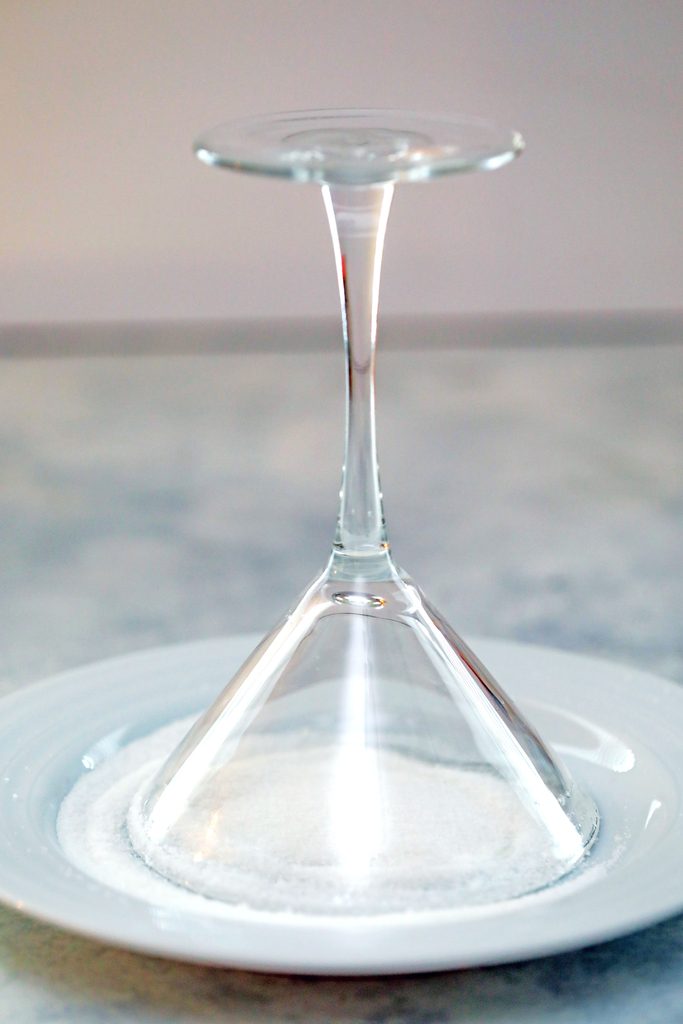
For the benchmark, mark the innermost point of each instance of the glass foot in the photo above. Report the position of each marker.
(358, 147)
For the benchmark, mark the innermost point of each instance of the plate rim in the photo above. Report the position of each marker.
(205, 946)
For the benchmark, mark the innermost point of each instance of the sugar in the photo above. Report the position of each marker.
(281, 850)
(91, 824)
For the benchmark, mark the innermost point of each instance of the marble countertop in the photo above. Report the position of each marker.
(534, 491)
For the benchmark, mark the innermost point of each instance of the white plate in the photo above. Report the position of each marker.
(619, 731)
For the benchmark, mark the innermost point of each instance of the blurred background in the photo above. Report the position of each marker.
(530, 419)
(106, 214)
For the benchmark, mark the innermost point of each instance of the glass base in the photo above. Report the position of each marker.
(358, 147)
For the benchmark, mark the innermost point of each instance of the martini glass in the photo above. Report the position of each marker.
(362, 761)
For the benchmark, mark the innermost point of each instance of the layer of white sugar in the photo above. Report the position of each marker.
(292, 830)
(91, 825)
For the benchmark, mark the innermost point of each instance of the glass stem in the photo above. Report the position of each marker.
(358, 218)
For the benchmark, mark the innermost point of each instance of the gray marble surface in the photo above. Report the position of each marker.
(536, 493)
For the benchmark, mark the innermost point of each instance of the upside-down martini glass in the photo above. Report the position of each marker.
(362, 761)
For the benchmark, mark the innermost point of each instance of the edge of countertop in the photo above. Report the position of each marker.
(320, 334)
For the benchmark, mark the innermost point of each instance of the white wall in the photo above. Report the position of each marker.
(105, 213)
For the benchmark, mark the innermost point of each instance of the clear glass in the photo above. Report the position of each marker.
(362, 761)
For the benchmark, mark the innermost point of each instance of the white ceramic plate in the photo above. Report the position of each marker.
(620, 732)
